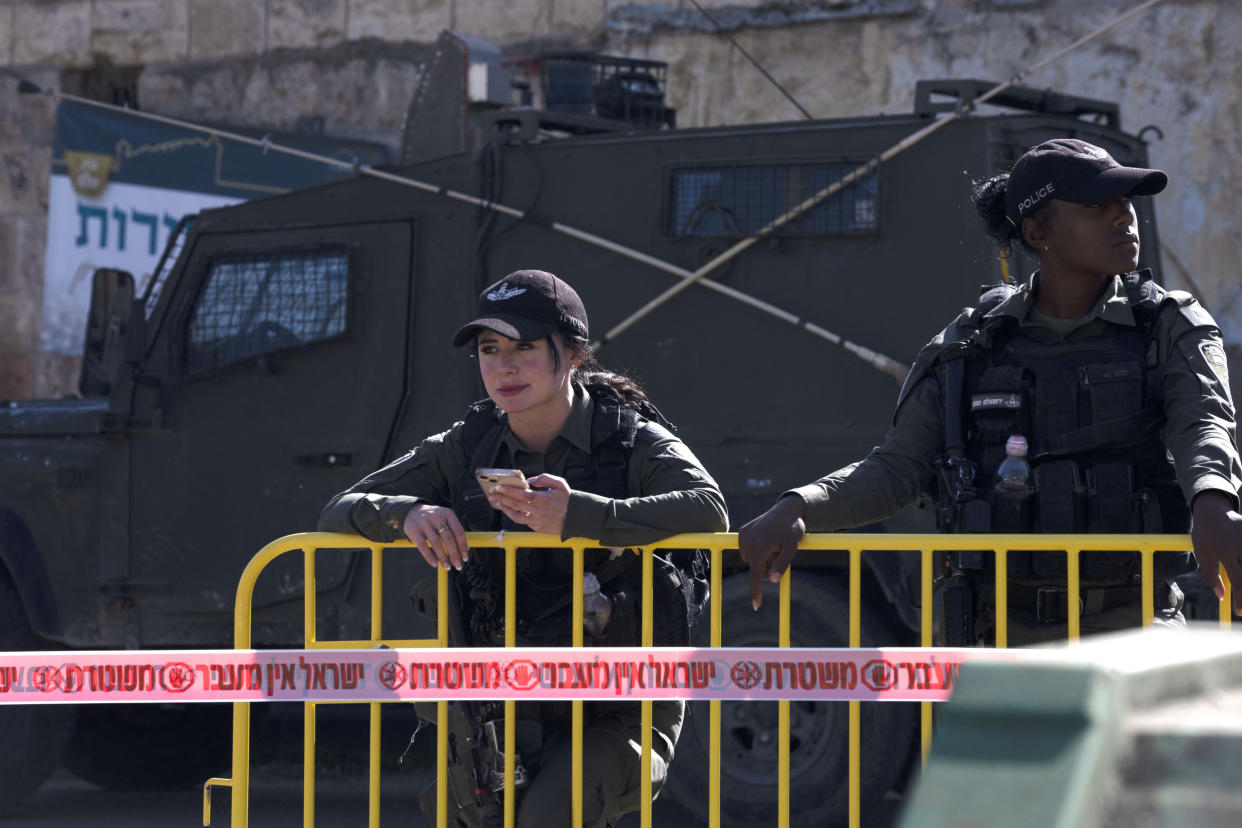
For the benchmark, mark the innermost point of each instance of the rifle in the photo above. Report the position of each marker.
(961, 510)
(476, 758)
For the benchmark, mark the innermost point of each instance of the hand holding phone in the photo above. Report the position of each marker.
(539, 504)
(490, 479)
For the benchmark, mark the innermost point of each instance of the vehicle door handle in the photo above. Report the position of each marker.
(327, 458)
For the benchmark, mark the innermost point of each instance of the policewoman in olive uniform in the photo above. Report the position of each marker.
(600, 465)
(1118, 386)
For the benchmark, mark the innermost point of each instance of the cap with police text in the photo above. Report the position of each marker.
(1075, 171)
(527, 305)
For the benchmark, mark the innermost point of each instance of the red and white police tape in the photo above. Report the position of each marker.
(826, 674)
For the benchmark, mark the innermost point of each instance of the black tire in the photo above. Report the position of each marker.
(32, 737)
(137, 747)
(819, 731)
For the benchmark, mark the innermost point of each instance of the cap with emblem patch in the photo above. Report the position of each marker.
(527, 305)
(1075, 171)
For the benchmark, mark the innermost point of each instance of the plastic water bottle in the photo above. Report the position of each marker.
(1011, 493)
(1013, 476)
(596, 607)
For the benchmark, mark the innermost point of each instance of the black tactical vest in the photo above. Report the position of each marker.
(1089, 411)
(544, 602)
(613, 428)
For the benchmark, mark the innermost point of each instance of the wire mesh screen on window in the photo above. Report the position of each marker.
(258, 304)
(709, 202)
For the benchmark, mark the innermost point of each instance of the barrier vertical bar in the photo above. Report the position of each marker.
(1072, 593)
(925, 639)
(373, 789)
(377, 623)
(310, 634)
(713, 706)
(1226, 603)
(855, 752)
(782, 712)
(510, 553)
(575, 732)
(240, 817)
(239, 783)
(1147, 583)
(645, 705)
(309, 714)
(442, 725)
(1002, 598)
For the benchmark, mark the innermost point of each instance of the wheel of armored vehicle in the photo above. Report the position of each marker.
(133, 747)
(32, 737)
(818, 731)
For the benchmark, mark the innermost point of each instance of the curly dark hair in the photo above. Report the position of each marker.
(989, 200)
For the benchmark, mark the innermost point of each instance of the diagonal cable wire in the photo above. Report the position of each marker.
(721, 31)
(687, 278)
(880, 361)
(837, 186)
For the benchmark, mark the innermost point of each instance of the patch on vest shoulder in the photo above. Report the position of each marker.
(994, 402)
(1215, 356)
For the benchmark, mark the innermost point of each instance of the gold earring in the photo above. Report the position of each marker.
(1045, 248)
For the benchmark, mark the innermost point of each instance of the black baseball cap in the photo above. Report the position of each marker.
(1076, 171)
(527, 305)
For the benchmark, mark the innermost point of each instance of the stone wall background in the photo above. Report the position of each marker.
(356, 64)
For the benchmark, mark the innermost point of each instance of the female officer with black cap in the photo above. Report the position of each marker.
(599, 465)
(1103, 372)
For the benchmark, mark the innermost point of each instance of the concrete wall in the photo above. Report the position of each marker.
(356, 63)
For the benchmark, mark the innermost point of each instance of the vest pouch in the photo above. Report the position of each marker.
(1111, 503)
(1012, 512)
(1112, 507)
(999, 406)
(1060, 496)
(1113, 391)
(1164, 507)
(670, 611)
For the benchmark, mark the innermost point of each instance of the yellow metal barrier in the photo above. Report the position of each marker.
(852, 545)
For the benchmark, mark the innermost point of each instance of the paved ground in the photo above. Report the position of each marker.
(276, 791)
(67, 802)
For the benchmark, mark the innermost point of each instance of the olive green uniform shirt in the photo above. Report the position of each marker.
(1187, 370)
(673, 493)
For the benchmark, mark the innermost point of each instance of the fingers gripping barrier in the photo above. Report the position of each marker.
(356, 671)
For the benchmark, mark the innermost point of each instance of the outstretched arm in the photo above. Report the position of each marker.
(891, 476)
(408, 499)
(1200, 432)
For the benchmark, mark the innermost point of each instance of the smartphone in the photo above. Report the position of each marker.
(489, 479)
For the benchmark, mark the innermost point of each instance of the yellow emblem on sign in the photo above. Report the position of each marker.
(1215, 356)
(88, 171)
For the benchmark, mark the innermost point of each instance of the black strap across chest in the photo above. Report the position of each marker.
(613, 430)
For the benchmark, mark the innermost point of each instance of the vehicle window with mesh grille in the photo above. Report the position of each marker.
(737, 201)
(257, 304)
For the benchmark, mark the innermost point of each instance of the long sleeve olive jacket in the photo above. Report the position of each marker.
(1191, 384)
(670, 491)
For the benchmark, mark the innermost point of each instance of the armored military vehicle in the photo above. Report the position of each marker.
(288, 346)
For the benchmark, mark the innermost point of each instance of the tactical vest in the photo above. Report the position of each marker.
(1089, 410)
(544, 601)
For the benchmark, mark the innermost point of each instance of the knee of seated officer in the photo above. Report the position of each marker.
(611, 781)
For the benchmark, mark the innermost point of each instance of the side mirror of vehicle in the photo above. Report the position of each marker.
(109, 340)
